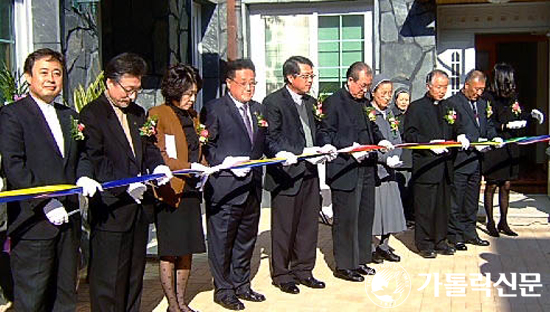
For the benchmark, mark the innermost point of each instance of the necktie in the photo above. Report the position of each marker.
(246, 119)
(474, 108)
(123, 119)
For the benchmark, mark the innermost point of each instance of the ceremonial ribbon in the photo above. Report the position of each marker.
(67, 189)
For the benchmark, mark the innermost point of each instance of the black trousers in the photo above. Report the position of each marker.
(294, 227)
(45, 271)
(431, 207)
(464, 205)
(117, 264)
(352, 221)
(231, 236)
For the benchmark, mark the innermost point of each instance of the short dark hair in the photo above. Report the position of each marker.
(504, 82)
(475, 74)
(291, 66)
(177, 80)
(125, 64)
(40, 54)
(238, 64)
(355, 68)
(434, 73)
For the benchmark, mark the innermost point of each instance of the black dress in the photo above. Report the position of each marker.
(502, 164)
(179, 230)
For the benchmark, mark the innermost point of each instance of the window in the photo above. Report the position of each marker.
(455, 72)
(341, 42)
(6, 33)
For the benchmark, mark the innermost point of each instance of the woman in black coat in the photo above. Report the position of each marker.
(500, 166)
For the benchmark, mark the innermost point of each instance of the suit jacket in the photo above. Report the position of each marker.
(346, 122)
(112, 159)
(469, 161)
(285, 133)
(170, 125)
(32, 158)
(425, 122)
(227, 136)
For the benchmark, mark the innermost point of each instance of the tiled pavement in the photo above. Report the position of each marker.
(528, 253)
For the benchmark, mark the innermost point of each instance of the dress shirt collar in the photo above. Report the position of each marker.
(383, 112)
(237, 103)
(43, 105)
(297, 98)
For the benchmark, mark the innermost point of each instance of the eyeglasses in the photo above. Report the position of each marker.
(245, 84)
(306, 76)
(130, 91)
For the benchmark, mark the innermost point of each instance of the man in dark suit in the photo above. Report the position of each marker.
(295, 193)
(473, 125)
(119, 219)
(233, 196)
(351, 177)
(430, 119)
(38, 149)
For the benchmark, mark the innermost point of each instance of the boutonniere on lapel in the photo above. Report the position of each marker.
(394, 123)
(149, 128)
(318, 111)
(203, 133)
(450, 117)
(371, 112)
(262, 123)
(516, 109)
(489, 109)
(77, 129)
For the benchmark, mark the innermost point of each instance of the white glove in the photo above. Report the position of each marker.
(55, 212)
(231, 161)
(499, 140)
(482, 148)
(203, 169)
(387, 145)
(136, 190)
(393, 161)
(330, 151)
(518, 124)
(89, 186)
(535, 113)
(438, 150)
(359, 156)
(239, 173)
(290, 159)
(163, 169)
(313, 150)
(463, 140)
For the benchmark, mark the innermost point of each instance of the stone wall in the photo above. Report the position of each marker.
(407, 41)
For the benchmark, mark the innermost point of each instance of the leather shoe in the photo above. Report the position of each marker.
(348, 275)
(363, 269)
(251, 295)
(505, 229)
(478, 241)
(492, 230)
(312, 282)
(388, 255)
(230, 302)
(461, 246)
(288, 287)
(446, 251)
(427, 253)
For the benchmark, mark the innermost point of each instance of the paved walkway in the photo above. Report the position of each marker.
(528, 253)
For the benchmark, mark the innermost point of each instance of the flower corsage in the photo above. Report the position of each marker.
(318, 111)
(262, 123)
(489, 109)
(450, 117)
(203, 133)
(149, 128)
(394, 123)
(516, 109)
(371, 113)
(77, 129)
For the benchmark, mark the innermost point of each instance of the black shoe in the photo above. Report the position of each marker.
(461, 246)
(446, 251)
(388, 255)
(312, 282)
(492, 230)
(505, 229)
(288, 287)
(377, 258)
(363, 269)
(427, 253)
(478, 242)
(251, 295)
(230, 302)
(348, 275)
